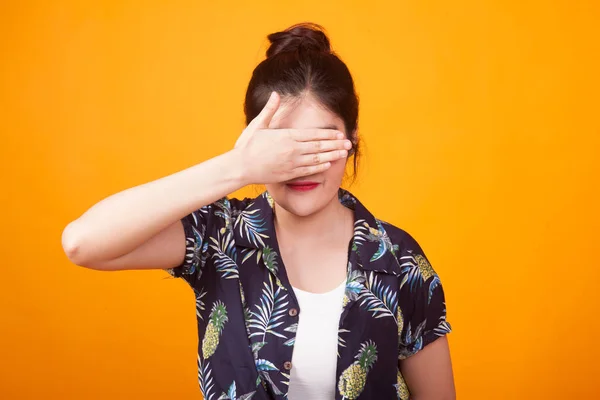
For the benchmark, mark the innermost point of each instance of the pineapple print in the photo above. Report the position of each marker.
(375, 232)
(424, 267)
(242, 296)
(345, 301)
(353, 379)
(385, 242)
(217, 319)
(225, 213)
(400, 321)
(401, 388)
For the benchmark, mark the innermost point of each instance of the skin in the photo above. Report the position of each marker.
(282, 145)
(313, 228)
(319, 228)
(428, 374)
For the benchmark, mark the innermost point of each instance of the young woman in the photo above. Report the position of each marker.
(301, 293)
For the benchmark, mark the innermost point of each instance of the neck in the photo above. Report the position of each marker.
(330, 219)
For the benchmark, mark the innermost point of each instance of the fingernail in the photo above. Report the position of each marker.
(344, 153)
(340, 135)
(348, 144)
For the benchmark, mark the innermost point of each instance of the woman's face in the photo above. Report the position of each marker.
(305, 200)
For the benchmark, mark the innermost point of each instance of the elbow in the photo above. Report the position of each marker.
(71, 244)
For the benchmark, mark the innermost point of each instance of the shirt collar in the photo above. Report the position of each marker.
(254, 228)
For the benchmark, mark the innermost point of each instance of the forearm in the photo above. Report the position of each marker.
(120, 223)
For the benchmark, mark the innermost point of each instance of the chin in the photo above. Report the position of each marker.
(302, 202)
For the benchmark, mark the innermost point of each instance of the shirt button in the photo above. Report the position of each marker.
(293, 312)
(287, 365)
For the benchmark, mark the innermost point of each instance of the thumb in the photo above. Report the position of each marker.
(265, 116)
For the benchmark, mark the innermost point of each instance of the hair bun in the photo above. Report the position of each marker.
(297, 38)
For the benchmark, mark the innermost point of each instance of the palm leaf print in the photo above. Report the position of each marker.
(270, 259)
(250, 225)
(200, 306)
(432, 285)
(410, 269)
(412, 341)
(263, 367)
(379, 299)
(205, 379)
(255, 347)
(247, 253)
(225, 255)
(385, 243)
(269, 312)
(203, 257)
(348, 200)
(417, 271)
(194, 247)
(293, 329)
(442, 329)
(354, 284)
(247, 318)
(443, 326)
(341, 342)
(195, 250)
(287, 381)
(231, 394)
(264, 374)
(361, 231)
(224, 212)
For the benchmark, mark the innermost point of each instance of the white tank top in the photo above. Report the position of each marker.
(314, 359)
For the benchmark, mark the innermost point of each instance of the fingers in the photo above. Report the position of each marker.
(310, 170)
(309, 135)
(320, 146)
(265, 116)
(319, 158)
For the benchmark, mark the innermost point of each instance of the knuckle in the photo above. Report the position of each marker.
(317, 159)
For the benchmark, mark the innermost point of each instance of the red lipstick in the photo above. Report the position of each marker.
(302, 186)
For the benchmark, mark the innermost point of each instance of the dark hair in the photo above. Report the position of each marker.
(300, 60)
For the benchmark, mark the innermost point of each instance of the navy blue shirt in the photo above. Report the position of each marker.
(248, 314)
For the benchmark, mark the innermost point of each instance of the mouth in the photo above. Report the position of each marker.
(302, 186)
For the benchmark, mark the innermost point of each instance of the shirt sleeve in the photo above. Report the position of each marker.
(196, 227)
(422, 314)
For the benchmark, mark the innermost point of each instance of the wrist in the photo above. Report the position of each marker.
(236, 168)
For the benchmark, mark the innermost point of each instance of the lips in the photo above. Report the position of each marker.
(302, 186)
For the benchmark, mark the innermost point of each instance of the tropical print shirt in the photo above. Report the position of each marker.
(248, 315)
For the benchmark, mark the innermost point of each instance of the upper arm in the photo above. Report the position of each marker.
(424, 357)
(428, 373)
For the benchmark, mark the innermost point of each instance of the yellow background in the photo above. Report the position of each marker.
(481, 126)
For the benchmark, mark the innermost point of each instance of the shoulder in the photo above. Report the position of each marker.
(220, 212)
(231, 204)
(402, 240)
